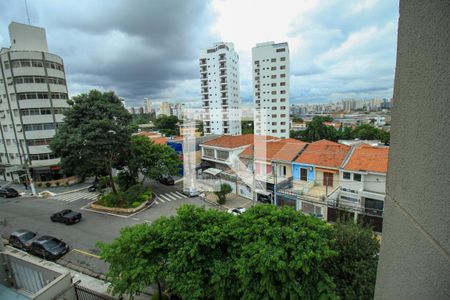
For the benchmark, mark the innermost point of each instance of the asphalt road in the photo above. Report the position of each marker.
(34, 214)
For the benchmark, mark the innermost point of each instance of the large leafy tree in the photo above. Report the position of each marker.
(354, 268)
(317, 130)
(266, 253)
(95, 132)
(151, 160)
(167, 124)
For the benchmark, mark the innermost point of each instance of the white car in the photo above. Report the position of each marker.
(191, 192)
(237, 211)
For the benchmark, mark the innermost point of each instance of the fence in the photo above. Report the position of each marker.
(83, 293)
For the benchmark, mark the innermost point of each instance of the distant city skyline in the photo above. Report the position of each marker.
(339, 49)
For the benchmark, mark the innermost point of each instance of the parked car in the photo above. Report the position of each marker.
(237, 211)
(22, 239)
(167, 180)
(49, 247)
(66, 216)
(8, 192)
(191, 192)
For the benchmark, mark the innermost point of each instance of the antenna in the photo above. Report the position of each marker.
(28, 14)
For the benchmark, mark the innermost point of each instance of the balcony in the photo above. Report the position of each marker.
(222, 57)
(222, 66)
(204, 91)
(224, 95)
(203, 76)
(203, 70)
(223, 73)
(204, 82)
(202, 62)
(205, 97)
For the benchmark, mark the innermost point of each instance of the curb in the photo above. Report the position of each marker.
(82, 270)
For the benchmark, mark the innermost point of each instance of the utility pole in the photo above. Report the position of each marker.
(25, 160)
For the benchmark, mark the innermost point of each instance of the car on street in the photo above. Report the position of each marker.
(167, 180)
(237, 211)
(22, 239)
(191, 191)
(8, 192)
(49, 247)
(92, 188)
(66, 216)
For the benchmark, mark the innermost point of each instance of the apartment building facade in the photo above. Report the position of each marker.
(33, 98)
(219, 81)
(270, 64)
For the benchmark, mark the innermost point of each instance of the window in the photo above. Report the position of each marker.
(281, 50)
(273, 84)
(208, 152)
(283, 130)
(273, 60)
(283, 92)
(282, 83)
(282, 75)
(273, 68)
(345, 198)
(346, 175)
(282, 99)
(223, 155)
(357, 177)
(274, 100)
(282, 58)
(282, 67)
(373, 206)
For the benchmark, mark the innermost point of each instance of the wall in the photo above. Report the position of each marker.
(296, 171)
(415, 252)
(375, 183)
(319, 179)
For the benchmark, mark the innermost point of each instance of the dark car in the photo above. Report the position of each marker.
(8, 192)
(167, 180)
(92, 188)
(49, 247)
(66, 216)
(22, 239)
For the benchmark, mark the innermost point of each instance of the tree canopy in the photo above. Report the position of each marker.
(167, 124)
(95, 133)
(265, 253)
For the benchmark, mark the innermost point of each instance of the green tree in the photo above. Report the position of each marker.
(199, 127)
(167, 124)
(365, 132)
(151, 160)
(95, 133)
(247, 126)
(316, 130)
(221, 194)
(354, 268)
(296, 134)
(297, 119)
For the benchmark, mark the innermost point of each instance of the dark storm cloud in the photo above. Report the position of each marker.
(137, 48)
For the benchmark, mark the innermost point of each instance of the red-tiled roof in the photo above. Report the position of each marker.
(160, 140)
(236, 141)
(324, 153)
(278, 150)
(368, 158)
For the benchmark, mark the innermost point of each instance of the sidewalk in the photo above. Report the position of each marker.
(233, 201)
(54, 189)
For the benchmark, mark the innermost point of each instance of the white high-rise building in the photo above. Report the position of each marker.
(271, 89)
(164, 109)
(219, 77)
(33, 97)
(147, 105)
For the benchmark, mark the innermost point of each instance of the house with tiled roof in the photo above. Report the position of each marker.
(272, 163)
(220, 152)
(315, 174)
(363, 179)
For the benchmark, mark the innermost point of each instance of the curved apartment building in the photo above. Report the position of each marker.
(33, 97)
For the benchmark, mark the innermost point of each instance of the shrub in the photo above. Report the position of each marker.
(39, 184)
(163, 297)
(48, 184)
(135, 204)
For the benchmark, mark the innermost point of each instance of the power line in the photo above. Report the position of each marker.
(28, 14)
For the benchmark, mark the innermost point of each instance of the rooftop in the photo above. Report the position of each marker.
(324, 153)
(279, 150)
(237, 141)
(368, 158)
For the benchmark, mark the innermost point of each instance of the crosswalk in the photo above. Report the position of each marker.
(167, 197)
(70, 197)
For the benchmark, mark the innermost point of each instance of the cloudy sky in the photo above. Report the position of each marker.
(339, 48)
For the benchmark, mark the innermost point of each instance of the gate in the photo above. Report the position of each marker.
(84, 293)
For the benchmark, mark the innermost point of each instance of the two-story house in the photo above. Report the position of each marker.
(363, 179)
(272, 163)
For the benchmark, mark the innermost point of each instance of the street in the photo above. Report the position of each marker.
(34, 214)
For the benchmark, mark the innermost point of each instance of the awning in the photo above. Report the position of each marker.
(212, 171)
(327, 170)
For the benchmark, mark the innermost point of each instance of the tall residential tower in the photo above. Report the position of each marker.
(33, 97)
(271, 89)
(219, 77)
